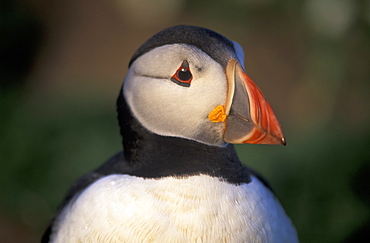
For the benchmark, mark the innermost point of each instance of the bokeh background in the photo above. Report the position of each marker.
(62, 63)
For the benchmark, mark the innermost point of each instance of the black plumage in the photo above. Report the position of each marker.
(218, 47)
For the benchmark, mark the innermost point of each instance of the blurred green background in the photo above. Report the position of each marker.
(62, 64)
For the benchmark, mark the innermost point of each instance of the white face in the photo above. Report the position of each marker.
(169, 109)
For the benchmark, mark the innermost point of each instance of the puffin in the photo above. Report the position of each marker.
(185, 101)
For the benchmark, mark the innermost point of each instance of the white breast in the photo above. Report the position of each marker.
(122, 208)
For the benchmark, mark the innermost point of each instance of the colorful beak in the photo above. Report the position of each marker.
(249, 117)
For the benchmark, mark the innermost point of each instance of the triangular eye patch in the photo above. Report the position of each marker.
(183, 75)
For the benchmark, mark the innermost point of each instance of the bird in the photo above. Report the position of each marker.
(185, 101)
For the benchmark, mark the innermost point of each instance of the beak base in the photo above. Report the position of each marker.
(250, 117)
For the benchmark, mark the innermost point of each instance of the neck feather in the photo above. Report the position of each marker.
(153, 156)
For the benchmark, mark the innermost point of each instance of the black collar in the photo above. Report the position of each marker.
(152, 156)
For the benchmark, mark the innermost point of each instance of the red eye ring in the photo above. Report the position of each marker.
(183, 75)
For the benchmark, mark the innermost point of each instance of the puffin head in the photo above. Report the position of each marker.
(189, 82)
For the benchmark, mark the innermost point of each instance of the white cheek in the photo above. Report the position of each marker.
(169, 109)
(160, 105)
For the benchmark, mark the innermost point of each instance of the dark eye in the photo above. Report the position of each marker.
(183, 75)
